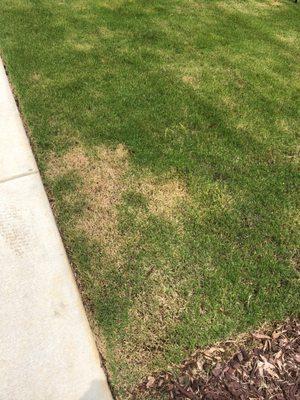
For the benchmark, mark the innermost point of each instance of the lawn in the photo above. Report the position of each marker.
(166, 134)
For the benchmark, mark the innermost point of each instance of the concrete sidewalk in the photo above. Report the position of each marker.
(47, 351)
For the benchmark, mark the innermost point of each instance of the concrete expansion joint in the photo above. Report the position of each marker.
(13, 177)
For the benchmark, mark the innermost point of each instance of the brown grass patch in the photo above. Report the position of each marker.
(253, 7)
(102, 187)
(35, 77)
(83, 46)
(106, 33)
(287, 38)
(270, 3)
(104, 180)
(190, 80)
(229, 103)
(164, 198)
(240, 7)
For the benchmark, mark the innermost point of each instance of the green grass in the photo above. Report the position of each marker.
(166, 132)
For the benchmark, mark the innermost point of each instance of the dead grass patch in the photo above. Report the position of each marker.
(191, 75)
(105, 32)
(254, 7)
(229, 103)
(269, 4)
(287, 38)
(164, 198)
(83, 46)
(190, 80)
(240, 7)
(104, 180)
(102, 188)
(35, 77)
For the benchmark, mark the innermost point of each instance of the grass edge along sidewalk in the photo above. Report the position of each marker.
(47, 348)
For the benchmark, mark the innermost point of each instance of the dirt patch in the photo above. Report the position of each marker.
(262, 365)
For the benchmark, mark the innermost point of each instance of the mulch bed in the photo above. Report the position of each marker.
(261, 365)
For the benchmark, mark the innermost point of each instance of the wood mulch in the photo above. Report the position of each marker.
(264, 365)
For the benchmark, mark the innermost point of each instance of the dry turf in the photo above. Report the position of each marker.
(166, 133)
